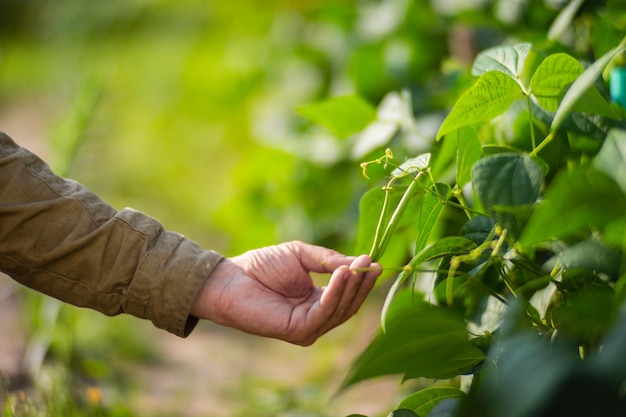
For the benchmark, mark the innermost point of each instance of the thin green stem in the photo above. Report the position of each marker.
(393, 221)
(374, 250)
(530, 122)
(543, 144)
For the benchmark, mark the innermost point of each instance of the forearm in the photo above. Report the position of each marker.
(60, 239)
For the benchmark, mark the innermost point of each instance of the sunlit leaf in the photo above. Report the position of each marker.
(421, 340)
(424, 400)
(342, 115)
(586, 314)
(418, 163)
(489, 97)
(370, 207)
(552, 78)
(581, 85)
(508, 60)
(469, 151)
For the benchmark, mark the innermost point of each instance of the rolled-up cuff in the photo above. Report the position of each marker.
(166, 285)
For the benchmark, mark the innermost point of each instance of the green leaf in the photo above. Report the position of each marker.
(611, 159)
(508, 60)
(421, 341)
(489, 97)
(508, 184)
(342, 115)
(588, 255)
(582, 84)
(507, 179)
(575, 202)
(469, 151)
(424, 400)
(552, 78)
(586, 314)
(402, 413)
(416, 164)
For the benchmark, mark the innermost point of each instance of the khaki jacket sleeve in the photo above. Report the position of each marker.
(60, 239)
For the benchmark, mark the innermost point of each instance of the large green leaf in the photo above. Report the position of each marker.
(507, 179)
(612, 157)
(489, 97)
(508, 184)
(421, 340)
(588, 255)
(508, 60)
(552, 80)
(342, 115)
(582, 84)
(424, 400)
(575, 202)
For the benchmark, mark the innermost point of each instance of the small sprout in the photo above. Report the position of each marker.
(385, 158)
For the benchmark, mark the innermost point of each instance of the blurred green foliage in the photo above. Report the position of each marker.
(187, 109)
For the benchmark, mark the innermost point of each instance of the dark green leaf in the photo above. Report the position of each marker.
(489, 97)
(446, 408)
(477, 229)
(507, 179)
(588, 255)
(421, 340)
(576, 202)
(343, 115)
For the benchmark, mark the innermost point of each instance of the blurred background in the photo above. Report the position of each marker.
(188, 110)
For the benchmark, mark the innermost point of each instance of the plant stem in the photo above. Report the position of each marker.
(374, 250)
(543, 144)
(530, 122)
(379, 247)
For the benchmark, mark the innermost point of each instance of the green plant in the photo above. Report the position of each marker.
(515, 225)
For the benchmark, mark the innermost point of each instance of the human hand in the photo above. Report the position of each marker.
(269, 292)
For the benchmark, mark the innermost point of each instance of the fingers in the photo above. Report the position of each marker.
(347, 290)
(317, 258)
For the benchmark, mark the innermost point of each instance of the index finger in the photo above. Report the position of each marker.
(318, 258)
